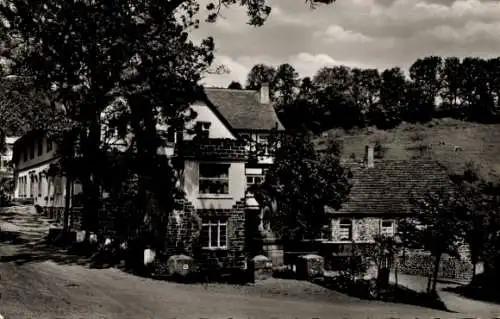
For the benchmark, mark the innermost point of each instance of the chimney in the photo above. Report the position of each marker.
(369, 151)
(264, 93)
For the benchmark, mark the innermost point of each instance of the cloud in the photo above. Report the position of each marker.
(337, 34)
(305, 63)
(363, 33)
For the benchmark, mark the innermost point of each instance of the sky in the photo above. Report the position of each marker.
(357, 33)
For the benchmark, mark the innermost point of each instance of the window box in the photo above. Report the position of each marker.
(214, 179)
(214, 234)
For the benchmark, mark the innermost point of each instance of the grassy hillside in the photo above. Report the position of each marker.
(451, 142)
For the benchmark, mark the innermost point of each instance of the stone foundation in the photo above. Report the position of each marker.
(184, 231)
(422, 263)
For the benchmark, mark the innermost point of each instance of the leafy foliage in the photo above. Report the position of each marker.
(437, 225)
(235, 86)
(339, 96)
(260, 73)
(302, 182)
(285, 84)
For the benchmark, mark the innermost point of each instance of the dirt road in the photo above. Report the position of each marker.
(37, 283)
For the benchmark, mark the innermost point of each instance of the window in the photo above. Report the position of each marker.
(214, 179)
(254, 180)
(32, 149)
(202, 129)
(214, 234)
(40, 147)
(263, 144)
(387, 227)
(25, 155)
(345, 229)
(49, 146)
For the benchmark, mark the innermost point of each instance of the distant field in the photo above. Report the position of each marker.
(451, 142)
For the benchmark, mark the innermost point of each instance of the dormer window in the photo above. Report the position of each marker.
(202, 129)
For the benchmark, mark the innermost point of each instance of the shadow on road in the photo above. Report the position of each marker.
(393, 293)
(24, 239)
(25, 251)
(487, 294)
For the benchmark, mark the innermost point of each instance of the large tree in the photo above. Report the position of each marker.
(475, 93)
(260, 73)
(387, 112)
(451, 84)
(365, 91)
(285, 84)
(424, 89)
(334, 99)
(85, 54)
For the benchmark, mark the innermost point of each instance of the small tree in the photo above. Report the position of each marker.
(436, 226)
(302, 183)
(383, 255)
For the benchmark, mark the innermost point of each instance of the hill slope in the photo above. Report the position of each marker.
(451, 142)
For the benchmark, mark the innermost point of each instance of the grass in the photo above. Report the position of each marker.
(451, 142)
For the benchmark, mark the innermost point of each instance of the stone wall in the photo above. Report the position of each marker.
(422, 263)
(363, 229)
(212, 149)
(184, 231)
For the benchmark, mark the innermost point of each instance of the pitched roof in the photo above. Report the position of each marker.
(243, 110)
(386, 188)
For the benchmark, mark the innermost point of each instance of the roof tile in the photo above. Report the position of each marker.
(243, 110)
(386, 188)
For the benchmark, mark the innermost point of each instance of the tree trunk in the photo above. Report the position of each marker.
(429, 282)
(90, 187)
(436, 271)
(67, 203)
(474, 268)
(144, 128)
(396, 274)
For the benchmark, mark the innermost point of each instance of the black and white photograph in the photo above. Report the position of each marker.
(249, 159)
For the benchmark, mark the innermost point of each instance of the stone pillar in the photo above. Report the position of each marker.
(273, 249)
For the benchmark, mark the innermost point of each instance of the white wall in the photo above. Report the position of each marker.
(37, 166)
(205, 114)
(237, 185)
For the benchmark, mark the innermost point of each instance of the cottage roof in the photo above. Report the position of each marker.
(242, 109)
(386, 188)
